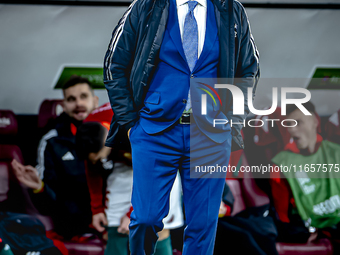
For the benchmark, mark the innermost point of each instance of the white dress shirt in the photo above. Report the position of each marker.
(200, 13)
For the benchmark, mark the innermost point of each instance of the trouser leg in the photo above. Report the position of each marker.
(202, 196)
(155, 163)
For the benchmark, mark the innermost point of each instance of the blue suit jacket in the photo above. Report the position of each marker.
(166, 98)
(133, 56)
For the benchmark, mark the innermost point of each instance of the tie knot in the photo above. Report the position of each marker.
(192, 5)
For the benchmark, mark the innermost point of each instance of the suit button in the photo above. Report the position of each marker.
(192, 76)
(184, 101)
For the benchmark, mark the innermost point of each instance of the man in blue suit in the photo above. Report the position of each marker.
(155, 51)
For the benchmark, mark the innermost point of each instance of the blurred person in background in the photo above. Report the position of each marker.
(307, 197)
(109, 178)
(59, 181)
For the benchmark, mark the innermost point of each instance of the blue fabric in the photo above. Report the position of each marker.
(168, 91)
(155, 159)
(161, 147)
(141, 40)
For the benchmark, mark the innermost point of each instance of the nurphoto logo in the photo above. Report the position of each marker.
(239, 102)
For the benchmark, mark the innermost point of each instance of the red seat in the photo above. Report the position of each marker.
(49, 109)
(7, 154)
(8, 151)
(8, 123)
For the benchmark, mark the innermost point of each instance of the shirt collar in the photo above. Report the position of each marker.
(201, 2)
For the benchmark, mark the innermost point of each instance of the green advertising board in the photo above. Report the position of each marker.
(94, 74)
(325, 78)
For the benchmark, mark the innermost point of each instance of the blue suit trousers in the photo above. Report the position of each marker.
(156, 159)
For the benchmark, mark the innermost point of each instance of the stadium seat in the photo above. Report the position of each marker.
(8, 124)
(49, 110)
(7, 154)
(9, 184)
(8, 150)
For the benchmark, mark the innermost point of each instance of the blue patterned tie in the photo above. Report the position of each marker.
(190, 42)
(190, 36)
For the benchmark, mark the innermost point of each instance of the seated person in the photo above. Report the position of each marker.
(109, 177)
(59, 181)
(310, 194)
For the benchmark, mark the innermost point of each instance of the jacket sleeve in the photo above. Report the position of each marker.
(95, 184)
(117, 67)
(45, 200)
(248, 63)
(246, 76)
